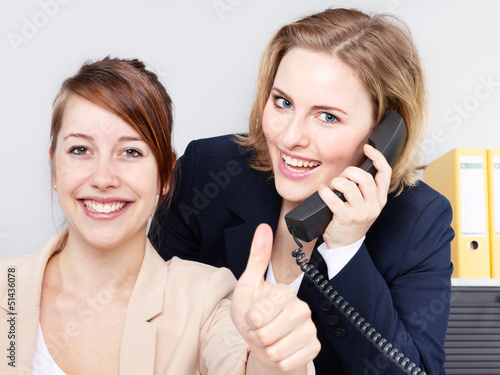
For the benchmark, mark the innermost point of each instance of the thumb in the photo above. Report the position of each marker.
(251, 281)
(260, 254)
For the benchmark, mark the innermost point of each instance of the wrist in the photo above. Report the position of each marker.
(257, 367)
(340, 246)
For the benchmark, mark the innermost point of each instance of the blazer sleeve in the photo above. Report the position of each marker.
(173, 230)
(410, 310)
(222, 349)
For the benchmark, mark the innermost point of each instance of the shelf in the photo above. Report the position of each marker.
(475, 282)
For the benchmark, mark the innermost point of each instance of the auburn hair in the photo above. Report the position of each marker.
(134, 94)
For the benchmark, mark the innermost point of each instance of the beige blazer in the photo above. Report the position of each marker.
(177, 321)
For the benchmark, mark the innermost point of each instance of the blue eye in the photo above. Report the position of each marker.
(327, 117)
(283, 103)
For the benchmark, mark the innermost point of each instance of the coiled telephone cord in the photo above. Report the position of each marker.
(385, 347)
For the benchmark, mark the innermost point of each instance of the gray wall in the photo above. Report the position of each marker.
(206, 52)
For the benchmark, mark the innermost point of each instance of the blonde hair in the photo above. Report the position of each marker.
(380, 50)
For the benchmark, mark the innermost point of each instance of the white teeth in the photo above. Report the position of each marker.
(298, 162)
(105, 208)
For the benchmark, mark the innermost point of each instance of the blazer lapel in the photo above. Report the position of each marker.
(138, 348)
(255, 202)
(29, 278)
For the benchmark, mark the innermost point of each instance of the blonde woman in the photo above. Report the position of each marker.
(325, 82)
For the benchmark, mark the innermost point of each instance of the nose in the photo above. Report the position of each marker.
(104, 175)
(296, 133)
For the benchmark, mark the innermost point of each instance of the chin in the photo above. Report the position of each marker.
(294, 197)
(104, 244)
(294, 194)
(103, 240)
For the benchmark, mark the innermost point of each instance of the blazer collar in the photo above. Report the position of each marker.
(255, 197)
(146, 302)
(256, 201)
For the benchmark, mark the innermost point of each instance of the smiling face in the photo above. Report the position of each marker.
(106, 176)
(316, 120)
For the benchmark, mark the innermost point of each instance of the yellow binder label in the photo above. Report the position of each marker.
(496, 184)
(472, 196)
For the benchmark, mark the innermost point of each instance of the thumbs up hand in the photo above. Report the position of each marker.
(274, 322)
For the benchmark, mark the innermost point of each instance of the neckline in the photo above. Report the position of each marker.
(43, 362)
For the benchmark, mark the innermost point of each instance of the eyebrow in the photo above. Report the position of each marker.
(91, 139)
(128, 139)
(315, 107)
(80, 135)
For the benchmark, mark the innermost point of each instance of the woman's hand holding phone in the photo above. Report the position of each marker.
(365, 198)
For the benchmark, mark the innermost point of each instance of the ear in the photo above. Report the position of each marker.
(165, 189)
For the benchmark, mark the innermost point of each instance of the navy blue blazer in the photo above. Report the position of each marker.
(399, 280)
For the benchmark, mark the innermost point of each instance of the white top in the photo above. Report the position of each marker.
(43, 363)
(294, 284)
(335, 260)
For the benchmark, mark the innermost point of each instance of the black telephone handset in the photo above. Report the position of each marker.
(311, 217)
(309, 220)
